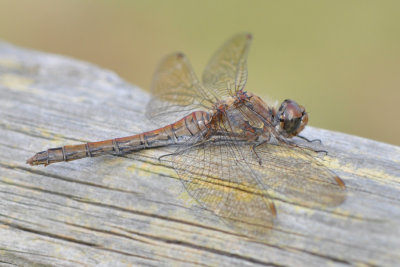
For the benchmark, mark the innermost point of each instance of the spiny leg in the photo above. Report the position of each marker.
(308, 140)
(253, 148)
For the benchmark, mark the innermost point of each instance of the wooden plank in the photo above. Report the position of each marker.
(132, 210)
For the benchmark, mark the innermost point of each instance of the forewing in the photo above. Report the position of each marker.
(226, 72)
(298, 175)
(295, 173)
(215, 174)
(176, 91)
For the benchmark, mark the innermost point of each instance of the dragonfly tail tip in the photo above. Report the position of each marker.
(30, 161)
(33, 160)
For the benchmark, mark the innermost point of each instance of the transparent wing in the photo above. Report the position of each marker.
(176, 91)
(214, 173)
(298, 175)
(226, 72)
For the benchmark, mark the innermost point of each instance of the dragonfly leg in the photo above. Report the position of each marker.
(47, 159)
(291, 143)
(116, 147)
(88, 152)
(186, 148)
(253, 148)
(166, 155)
(308, 140)
(321, 151)
(64, 155)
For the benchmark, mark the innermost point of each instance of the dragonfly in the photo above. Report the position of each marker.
(234, 154)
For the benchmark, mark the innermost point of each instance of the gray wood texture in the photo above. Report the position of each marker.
(132, 210)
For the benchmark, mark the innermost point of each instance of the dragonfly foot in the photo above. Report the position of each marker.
(255, 152)
(308, 140)
(322, 151)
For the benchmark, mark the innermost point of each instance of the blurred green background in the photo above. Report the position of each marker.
(340, 59)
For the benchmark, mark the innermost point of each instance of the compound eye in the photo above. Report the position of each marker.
(291, 118)
(292, 125)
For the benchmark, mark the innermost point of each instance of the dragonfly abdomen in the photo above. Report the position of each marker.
(173, 133)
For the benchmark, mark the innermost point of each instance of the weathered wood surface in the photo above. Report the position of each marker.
(130, 210)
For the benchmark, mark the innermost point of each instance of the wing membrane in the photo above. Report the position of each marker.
(298, 175)
(226, 72)
(225, 173)
(176, 91)
(214, 174)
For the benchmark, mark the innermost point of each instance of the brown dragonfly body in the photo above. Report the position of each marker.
(168, 135)
(234, 150)
(199, 122)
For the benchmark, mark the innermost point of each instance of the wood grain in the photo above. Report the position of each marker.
(132, 210)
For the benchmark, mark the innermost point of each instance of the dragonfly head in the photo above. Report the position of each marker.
(291, 118)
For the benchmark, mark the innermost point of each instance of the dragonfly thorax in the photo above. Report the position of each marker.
(288, 121)
(249, 113)
(257, 105)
